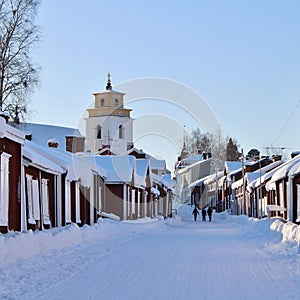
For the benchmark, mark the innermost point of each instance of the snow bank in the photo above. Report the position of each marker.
(16, 245)
(290, 232)
(261, 225)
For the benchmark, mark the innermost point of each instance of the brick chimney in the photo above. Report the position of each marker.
(75, 143)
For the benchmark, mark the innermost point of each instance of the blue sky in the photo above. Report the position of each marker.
(241, 56)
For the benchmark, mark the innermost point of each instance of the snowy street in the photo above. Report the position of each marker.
(174, 259)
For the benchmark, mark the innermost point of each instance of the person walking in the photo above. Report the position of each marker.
(209, 212)
(195, 213)
(203, 214)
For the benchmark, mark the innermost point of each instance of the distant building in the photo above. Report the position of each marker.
(109, 124)
(232, 153)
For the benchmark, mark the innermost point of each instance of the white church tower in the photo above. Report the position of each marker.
(109, 125)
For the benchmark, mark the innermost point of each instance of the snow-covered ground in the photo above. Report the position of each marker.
(230, 258)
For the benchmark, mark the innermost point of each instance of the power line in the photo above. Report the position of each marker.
(287, 122)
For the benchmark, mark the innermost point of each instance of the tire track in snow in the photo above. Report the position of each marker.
(186, 261)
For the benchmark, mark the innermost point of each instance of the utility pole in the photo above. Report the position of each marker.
(243, 188)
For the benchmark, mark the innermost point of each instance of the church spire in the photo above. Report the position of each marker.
(108, 85)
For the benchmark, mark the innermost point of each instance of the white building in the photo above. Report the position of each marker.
(109, 125)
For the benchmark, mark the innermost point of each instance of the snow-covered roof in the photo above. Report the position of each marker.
(157, 164)
(270, 166)
(252, 178)
(210, 161)
(77, 167)
(295, 170)
(246, 163)
(232, 173)
(164, 180)
(284, 169)
(141, 168)
(212, 178)
(10, 132)
(249, 177)
(192, 159)
(119, 169)
(42, 133)
(41, 161)
(198, 182)
(231, 166)
(167, 181)
(267, 173)
(109, 92)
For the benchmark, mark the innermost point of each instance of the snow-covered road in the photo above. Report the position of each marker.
(178, 259)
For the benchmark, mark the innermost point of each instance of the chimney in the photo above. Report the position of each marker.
(294, 154)
(276, 157)
(75, 143)
(53, 143)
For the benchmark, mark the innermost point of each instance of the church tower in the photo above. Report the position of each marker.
(109, 125)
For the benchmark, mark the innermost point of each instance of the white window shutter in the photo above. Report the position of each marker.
(68, 202)
(45, 201)
(133, 201)
(4, 189)
(36, 200)
(29, 199)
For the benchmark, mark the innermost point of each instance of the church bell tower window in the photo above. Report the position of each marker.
(121, 132)
(99, 133)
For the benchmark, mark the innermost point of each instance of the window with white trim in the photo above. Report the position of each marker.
(99, 132)
(121, 132)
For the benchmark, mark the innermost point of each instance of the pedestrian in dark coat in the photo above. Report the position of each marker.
(195, 213)
(209, 212)
(203, 214)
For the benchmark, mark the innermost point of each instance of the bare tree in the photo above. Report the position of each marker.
(18, 74)
(209, 142)
(200, 141)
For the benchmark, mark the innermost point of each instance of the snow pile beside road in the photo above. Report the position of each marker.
(261, 225)
(16, 245)
(290, 232)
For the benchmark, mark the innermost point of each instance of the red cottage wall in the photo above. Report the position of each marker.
(14, 208)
